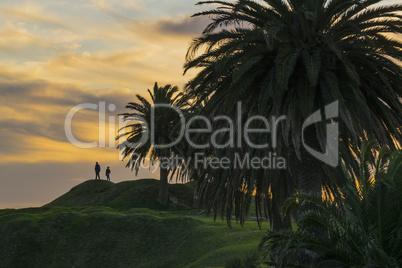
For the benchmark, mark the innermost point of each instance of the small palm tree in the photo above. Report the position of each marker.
(364, 230)
(138, 145)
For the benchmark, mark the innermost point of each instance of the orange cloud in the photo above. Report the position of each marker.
(32, 149)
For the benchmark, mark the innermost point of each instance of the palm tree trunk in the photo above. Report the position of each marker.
(310, 176)
(163, 187)
(280, 191)
(310, 180)
(310, 173)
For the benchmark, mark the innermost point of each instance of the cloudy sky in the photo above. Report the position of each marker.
(55, 55)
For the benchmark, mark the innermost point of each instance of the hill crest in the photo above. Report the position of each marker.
(125, 195)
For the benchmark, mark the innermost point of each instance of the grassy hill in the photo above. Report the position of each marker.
(102, 224)
(125, 195)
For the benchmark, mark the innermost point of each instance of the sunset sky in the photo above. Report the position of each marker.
(56, 54)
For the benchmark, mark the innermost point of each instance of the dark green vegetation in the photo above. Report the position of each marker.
(102, 224)
(363, 230)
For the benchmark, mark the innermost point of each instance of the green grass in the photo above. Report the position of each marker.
(101, 224)
(125, 195)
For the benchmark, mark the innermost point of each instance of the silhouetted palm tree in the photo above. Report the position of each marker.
(295, 57)
(162, 125)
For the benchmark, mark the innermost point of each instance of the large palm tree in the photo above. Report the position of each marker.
(295, 57)
(138, 145)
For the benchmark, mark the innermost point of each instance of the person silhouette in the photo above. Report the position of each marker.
(108, 173)
(97, 170)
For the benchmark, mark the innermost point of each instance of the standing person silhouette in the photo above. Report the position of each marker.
(108, 173)
(97, 170)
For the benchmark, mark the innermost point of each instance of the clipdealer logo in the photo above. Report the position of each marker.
(329, 156)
